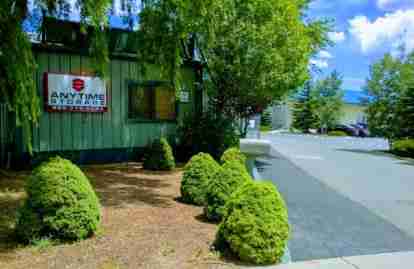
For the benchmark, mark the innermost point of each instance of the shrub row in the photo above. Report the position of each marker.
(254, 221)
(404, 148)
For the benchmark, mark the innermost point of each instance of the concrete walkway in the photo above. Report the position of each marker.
(401, 260)
(321, 186)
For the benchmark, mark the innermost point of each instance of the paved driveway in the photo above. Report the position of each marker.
(345, 196)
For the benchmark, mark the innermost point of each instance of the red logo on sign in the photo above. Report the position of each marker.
(78, 84)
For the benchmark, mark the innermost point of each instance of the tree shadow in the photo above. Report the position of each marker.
(382, 153)
(203, 219)
(121, 186)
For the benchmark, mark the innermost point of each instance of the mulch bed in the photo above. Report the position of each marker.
(144, 225)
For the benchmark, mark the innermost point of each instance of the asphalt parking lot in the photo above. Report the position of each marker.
(346, 196)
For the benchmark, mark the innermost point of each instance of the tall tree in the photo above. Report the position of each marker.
(304, 116)
(253, 51)
(388, 80)
(405, 111)
(329, 101)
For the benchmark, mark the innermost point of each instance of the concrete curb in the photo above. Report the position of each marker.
(287, 258)
(398, 260)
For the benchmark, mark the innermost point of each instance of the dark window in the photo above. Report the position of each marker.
(152, 101)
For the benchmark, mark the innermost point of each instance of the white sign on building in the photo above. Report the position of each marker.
(64, 92)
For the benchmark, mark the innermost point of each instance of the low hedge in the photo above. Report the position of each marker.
(337, 133)
(159, 156)
(233, 154)
(255, 224)
(61, 204)
(198, 172)
(232, 176)
(404, 148)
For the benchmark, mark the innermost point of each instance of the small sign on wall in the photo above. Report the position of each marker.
(65, 92)
(184, 96)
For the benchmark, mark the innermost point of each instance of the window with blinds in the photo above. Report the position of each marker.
(151, 102)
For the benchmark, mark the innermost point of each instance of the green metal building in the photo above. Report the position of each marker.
(138, 109)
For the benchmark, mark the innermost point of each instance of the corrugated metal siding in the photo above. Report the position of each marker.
(88, 131)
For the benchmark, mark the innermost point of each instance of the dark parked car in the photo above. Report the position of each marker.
(362, 129)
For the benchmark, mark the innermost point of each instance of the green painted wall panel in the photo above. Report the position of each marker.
(66, 118)
(87, 131)
(44, 132)
(116, 103)
(107, 117)
(77, 139)
(36, 140)
(55, 121)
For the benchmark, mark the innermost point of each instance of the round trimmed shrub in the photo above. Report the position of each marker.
(159, 156)
(255, 225)
(198, 172)
(227, 180)
(233, 154)
(61, 204)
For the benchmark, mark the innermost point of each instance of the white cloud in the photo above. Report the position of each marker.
(321, 60)
(319, 63)
(390, 31)
(336, 37)
(323, 54)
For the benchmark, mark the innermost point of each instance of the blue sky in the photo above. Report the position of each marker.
(363, 31)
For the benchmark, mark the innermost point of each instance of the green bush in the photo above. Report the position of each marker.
(227, 180)
(255, 224)
(208, 133)
(266, 119)
(404, 148)
(265, 129)
(337, 133)
(197, 174)
(159, 156)
(233, 154)
(61, 204)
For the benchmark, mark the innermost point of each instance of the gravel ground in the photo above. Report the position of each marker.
(143, 226)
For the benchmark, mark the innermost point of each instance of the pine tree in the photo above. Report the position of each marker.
(304, 117)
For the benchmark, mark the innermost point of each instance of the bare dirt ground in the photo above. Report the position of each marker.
(144, 225)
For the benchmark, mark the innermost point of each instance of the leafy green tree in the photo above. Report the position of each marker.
(328, 99)
(405, 113)
(304, 115)
(388, 88)
(405, 109)
(253, 51)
